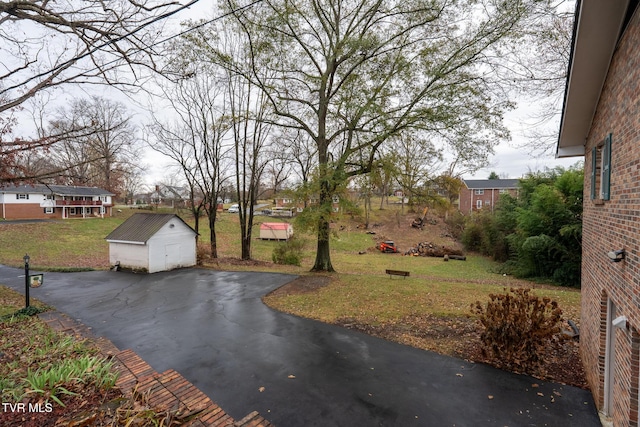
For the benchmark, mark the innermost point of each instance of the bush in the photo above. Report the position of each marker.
(518, 326)
(203, 253)
(472, 236)
(288, 253)
(455, 222)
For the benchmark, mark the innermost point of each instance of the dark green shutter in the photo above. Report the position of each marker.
(606, 168)
(594, 164)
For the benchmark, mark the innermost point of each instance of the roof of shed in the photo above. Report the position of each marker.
(62, 190)
(491, 183)
(274, 226)
(140, 227)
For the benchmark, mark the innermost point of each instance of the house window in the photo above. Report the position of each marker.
(479, 192)
(72, 211)
(479, 204)
(503, 191)
(22, 196)
(487, 202)
(601, 170)
(48, 211)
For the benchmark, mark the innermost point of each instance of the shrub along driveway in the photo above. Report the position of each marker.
(213, 328)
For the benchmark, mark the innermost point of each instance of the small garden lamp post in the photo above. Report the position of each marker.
(26, 278)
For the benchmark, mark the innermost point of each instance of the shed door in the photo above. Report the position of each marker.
(172, 256)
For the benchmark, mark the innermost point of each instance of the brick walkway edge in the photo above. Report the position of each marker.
(168, 391)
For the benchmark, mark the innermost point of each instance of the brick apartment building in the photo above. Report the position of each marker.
(478, 194)
(601, 121)
(39, 201)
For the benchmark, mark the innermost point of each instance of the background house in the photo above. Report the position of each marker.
(168, 195)
(477, 194)
(152, 242)
(40, 201)
(601, 121)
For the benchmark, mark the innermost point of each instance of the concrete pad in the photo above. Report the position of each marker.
(213, 328)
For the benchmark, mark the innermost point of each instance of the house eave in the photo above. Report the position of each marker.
(598, 28)
(570, 151)
(128, 242)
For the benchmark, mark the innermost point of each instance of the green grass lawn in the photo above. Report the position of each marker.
(359, 289)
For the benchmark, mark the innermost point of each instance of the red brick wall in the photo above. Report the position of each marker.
(612, 225)
(28, 211)
(35, 211)
(468, 199)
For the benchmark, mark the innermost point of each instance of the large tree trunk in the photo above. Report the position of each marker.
(196, 222)
(246, 249)
(246, 239)
(212, 232)
(323, 257)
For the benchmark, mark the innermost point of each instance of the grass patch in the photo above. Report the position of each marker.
(377, 299)
(11, 303)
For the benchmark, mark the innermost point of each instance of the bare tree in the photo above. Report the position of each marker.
(249, 109)
(195, 141)
(417, 161)
(101, 146)
(536, 67)
(131, 185)
(45, 44)
(302, 151)
(278, 167)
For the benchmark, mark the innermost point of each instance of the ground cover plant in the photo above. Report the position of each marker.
(428, 310)
(60, 379)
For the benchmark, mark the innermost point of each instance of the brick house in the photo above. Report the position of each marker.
(40, 201)
(477, 194)
(601, 121)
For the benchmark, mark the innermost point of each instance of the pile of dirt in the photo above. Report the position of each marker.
(397, 227)
(432, 250)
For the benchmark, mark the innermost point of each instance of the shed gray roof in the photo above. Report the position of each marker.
(62, 190)
(485, 184)
(140, 227)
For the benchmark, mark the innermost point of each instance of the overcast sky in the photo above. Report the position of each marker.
(513, 160)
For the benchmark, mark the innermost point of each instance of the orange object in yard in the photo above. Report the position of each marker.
(387, 246)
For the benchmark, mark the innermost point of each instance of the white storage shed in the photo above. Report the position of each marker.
(276, 231)
(152, 242)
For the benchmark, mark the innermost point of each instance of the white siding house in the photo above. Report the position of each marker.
(40, 201)
(152, 242)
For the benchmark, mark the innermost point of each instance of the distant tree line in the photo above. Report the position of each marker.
(539, 233)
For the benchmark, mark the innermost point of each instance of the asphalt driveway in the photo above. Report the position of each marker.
(213, 328)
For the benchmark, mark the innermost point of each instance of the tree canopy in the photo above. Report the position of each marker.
(354, 74)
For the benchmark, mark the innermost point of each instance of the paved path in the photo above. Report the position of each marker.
(213, 328)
